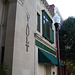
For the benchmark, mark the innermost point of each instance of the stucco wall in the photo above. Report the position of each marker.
(20, 61)
(23, 61)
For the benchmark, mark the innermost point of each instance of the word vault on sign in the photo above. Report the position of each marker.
(27, 32)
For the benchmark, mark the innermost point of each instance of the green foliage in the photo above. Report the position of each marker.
(67, 39)
(3, 69)
(71, 68)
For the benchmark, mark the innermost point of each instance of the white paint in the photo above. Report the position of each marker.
(26, 72)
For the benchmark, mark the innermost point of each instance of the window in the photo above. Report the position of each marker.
(48, 32)
(38, 22)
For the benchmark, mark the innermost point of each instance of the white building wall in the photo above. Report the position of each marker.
(20, 61)
(42, 69)
(27, 62)
(23, 61)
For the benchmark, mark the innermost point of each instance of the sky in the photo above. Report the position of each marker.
(65, 7)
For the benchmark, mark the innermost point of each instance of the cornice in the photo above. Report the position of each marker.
(21, 2)
(40, 38)
(48, 7)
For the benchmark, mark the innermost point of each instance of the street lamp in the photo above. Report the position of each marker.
(56, 20)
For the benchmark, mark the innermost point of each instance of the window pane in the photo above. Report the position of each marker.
(38, 22)
(48, 30)
(44, 17)
(44, 24)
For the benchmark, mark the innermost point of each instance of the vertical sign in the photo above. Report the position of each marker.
(27, 32)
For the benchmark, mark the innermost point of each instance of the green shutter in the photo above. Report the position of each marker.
(52, 36)
(38, 22)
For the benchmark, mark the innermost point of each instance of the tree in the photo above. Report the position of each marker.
(67, 39)
(67, 44)
(71, 68)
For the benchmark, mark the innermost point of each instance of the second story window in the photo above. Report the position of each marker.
(48, 32)
(38, 22)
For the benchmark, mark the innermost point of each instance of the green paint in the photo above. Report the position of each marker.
(38, 22)
(52, 36)
(45, 57)
(39, 44)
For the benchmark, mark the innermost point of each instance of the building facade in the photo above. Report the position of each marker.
(27, 37)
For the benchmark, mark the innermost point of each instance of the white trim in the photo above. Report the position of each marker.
(45, 41)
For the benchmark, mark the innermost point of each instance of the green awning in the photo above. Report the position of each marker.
(61, 64)
(45, 57)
